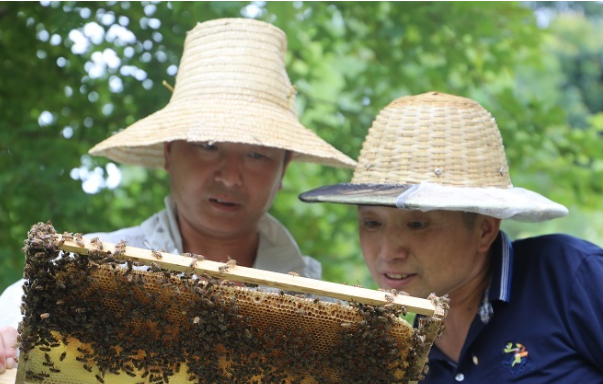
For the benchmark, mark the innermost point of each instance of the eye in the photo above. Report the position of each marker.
(370, 224)
(257, 155)
(206, 146)
(416, 224)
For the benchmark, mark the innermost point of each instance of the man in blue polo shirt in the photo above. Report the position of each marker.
(432, 186)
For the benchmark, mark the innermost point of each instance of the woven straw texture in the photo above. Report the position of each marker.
(437, 152)
(433, 137)
(231, 86)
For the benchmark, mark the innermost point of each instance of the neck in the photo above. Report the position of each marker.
(242, 248)
(464, 304)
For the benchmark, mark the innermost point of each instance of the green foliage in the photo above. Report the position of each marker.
(347, 59)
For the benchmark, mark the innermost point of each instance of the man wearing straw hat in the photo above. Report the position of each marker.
(225, 138)
(432, 186)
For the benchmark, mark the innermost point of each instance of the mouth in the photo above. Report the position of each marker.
(399, 280)
(224, 205)
(396, 276)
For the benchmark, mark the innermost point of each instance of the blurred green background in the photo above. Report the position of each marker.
(71, 74)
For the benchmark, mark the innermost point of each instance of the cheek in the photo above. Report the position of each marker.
(263, 187)
(369, 244)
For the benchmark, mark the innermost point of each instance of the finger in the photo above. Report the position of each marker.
(10, 363)
(2, 353)
(8, 348)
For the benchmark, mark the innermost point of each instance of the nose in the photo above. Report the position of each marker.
(393, 247)
(229, 171)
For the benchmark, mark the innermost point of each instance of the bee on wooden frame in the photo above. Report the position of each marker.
(157, 254)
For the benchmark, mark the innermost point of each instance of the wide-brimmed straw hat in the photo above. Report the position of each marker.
(437, 152)
(232, 86)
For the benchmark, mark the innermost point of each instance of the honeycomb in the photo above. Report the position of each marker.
(92, 317)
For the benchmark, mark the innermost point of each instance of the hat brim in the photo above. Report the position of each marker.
(224, 120)
(503, 203)
(356, 194)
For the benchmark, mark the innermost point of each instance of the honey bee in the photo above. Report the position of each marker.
(99, 244)
(155, 267)
(389, 298)
(157, 254)
(55, 370)
(60, 284)
(194, 260)
(44, 316)
(100, 379)
(231, 263)
(223, 268)
(293, 273)
(208, 302)
(120, 248)
(196, 320)
(79, 240)
(62, 356)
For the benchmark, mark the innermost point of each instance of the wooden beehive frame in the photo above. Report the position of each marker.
(46, 245)
(232, 272)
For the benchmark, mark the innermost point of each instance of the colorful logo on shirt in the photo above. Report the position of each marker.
(516, 358)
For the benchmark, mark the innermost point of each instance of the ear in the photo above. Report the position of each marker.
(167, 148)
(286, 161)
(488, 228)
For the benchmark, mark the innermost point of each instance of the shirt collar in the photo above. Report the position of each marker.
(277, 250)
(499, 288)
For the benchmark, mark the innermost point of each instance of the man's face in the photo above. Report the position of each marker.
(223, 189)
(424, 252)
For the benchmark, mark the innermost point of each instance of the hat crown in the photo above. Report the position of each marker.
(433, 137)
(232, 86)
(235, 59)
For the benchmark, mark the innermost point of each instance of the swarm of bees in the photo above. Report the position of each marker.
(92, 318)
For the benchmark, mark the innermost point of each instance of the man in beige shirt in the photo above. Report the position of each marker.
(226, 138)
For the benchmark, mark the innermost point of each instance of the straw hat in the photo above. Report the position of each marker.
(437, 152)
(231, 86)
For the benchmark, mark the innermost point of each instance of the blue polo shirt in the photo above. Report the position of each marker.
(541, 320)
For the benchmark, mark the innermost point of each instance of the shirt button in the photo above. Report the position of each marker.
(459, 377)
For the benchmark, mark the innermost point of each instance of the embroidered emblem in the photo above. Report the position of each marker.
(516, 358)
